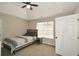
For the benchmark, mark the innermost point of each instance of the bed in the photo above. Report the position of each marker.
(20, 42)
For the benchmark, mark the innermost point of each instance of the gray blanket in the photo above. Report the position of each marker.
(14, 43)
(26, 40)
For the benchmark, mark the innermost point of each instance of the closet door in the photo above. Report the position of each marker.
(0, 34)
(66, 35)
(0, 29)
(78, 35)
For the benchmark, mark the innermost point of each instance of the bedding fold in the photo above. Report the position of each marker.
(26, 40)
(14, 43)
(18, 41)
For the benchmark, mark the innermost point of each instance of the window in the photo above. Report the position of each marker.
(45, 29)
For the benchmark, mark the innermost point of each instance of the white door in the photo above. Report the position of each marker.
(0, 34)
(66, 33)
(78, 36)
(0, 29)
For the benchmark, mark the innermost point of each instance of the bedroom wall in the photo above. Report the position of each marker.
(13, 26)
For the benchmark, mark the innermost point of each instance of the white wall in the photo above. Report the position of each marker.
(13, 26)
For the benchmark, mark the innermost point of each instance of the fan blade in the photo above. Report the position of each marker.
(34, 5)
(27, 3)
(23, 6)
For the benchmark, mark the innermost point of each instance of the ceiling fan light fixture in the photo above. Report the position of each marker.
(28, 6)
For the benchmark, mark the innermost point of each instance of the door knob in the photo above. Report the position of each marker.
(77, 37)
(56, 37)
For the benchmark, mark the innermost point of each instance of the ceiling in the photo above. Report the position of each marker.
(45, 9)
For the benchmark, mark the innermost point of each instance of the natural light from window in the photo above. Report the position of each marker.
(45, 29)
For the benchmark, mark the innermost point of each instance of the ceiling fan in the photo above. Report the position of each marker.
(29, 5)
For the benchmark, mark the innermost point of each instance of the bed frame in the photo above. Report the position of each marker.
(30, 32)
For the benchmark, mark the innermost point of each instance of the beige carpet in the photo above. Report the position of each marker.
(37, 50)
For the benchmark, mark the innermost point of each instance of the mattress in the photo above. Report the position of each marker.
(30, 39)
(20, 40)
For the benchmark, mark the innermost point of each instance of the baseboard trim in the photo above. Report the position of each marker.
(58, 54)
(48, 44)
